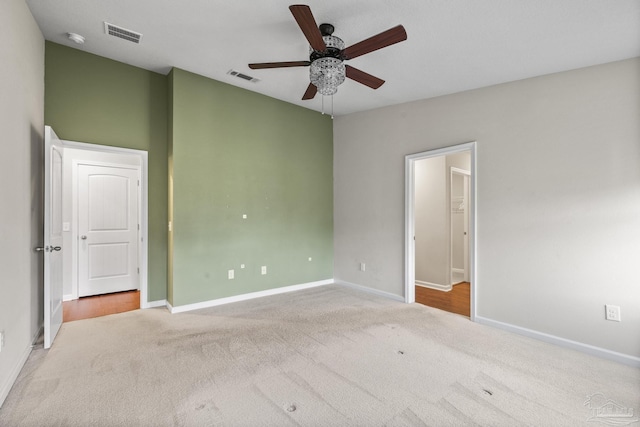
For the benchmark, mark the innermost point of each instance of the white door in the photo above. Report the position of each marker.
(52, 236)
(108, 229)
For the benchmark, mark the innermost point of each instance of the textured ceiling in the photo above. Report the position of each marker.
(452, 45)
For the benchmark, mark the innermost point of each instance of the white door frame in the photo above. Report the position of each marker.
(410, 225)
(143, 202)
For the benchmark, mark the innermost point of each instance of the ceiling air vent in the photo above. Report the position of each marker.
(239, 75)
(122, 33)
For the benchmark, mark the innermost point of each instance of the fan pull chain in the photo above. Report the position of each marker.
(331, 107)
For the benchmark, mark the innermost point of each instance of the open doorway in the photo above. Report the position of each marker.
(104, 230)
(440, 248)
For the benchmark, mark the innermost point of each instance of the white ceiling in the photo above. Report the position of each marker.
(452, 45)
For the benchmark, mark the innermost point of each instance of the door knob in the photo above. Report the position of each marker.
(83, 237)
(48, 248)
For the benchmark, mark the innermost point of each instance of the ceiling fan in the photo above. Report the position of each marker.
(326, 60)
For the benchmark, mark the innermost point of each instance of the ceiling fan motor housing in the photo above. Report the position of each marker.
(334, 44)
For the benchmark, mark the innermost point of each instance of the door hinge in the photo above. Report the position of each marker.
(138, 270)
(138, 226)
(138, 183)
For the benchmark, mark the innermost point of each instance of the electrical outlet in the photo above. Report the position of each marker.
(241, 265)
(363, 266)
(612, 312)
(1, 340)
(310, 259)
(232, 274)
(263, 270)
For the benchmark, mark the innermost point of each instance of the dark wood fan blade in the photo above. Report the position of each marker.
(311, 92)
(307, 23)
(386, 38)
(361, 77)
(279, 64)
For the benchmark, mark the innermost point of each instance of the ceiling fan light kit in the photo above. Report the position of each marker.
(327, 70)
(327, 54)
(327, 74)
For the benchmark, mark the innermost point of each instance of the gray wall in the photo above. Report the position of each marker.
(432, 230)
(22, 127)
(558, 197)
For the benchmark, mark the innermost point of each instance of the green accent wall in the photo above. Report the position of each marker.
(216, 152)
(92, 99)
(234, 152)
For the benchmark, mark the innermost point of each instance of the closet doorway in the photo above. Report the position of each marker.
(459, 222)
(105, 228)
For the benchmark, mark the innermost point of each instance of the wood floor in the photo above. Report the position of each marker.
(455, 301)
(458, 300)
(100, 305)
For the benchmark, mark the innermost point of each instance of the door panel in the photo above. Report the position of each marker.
(117, 256)
(52, 236)
(108, 229)
(108, 202)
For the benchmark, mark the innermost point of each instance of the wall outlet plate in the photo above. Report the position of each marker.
(612, 312)
(263, 269)
(1, 340)
(232, 274)
(363, 266)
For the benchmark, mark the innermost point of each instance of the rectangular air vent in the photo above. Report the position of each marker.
(122, 33)
(243, 76)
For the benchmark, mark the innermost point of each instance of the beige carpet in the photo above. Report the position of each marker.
(327, 356)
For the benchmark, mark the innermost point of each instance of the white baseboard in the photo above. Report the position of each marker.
(34, 338)
(244, 297)
(154, 304)
(370, 290)
(563, 342)
(457, 270)
(67, 297)
(437, 286)
(13, 375)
